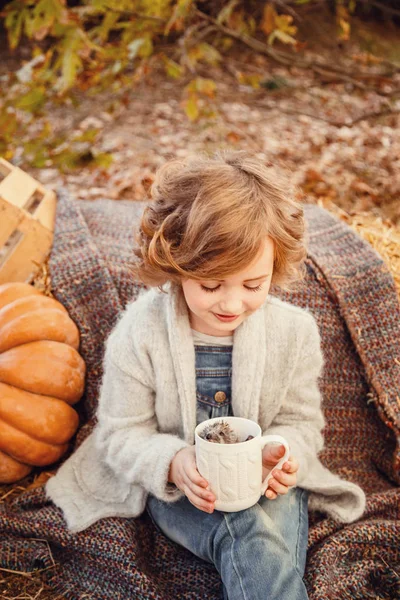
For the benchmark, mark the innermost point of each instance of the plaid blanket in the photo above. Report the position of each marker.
(352, 295)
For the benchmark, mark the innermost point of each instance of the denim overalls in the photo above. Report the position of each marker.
(213, 382)
(260, 552)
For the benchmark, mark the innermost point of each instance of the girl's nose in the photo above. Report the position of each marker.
(231, 306)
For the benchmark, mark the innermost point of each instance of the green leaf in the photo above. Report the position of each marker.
(89, 135)
(103, 160)
(32, 101)
(146, 49)
(37, 155)
(16, 14)
(71, 65)
(44, 14)
(72, 158)
(108, 24)
(274, 83)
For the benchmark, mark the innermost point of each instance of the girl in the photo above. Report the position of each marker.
(209, 340)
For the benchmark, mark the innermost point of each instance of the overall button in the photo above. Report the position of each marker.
(220, 396)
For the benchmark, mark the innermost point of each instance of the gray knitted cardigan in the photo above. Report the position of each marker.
(147, 408)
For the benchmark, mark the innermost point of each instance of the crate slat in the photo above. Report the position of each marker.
(27, 218)
(5, 167)
(22, 261)
(46, 211)
(10, 218)
(18, 187)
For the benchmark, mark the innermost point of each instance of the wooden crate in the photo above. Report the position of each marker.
(27, 215)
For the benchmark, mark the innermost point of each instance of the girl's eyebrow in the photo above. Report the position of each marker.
(246, 280)
(255, 278)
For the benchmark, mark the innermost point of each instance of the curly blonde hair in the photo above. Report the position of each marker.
(208, 219)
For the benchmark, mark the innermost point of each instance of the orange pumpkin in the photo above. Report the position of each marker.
(41, 375)
(36, 318)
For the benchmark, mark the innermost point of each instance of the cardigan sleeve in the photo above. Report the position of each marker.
(126, 433)
(300, 419)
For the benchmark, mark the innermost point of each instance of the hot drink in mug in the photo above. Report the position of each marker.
(234, 470)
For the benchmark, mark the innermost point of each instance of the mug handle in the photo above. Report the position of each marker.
(267, 439)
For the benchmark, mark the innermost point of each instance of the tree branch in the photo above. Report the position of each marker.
(387, 9)
(347, 123)
(289, 60)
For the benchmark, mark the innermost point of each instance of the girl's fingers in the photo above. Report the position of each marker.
(193, 475)
(291, 465)
(203, 505)
(200, 492)
(277, 487)
(285, 478)
(198, 502)
(271, 495)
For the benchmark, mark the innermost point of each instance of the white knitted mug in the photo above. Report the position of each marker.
(234, 471)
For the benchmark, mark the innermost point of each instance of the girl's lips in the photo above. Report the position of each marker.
(226, 318)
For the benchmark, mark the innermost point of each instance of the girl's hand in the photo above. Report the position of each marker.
(184, 474)
(282, 479)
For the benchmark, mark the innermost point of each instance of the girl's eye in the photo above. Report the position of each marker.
(251, 289)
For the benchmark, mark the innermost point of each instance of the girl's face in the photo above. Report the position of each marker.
(238, 295)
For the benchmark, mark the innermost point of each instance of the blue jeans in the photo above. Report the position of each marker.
(260, 552)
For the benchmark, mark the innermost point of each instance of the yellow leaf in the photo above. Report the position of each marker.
(146, 49)
(71, 64)
(45, 13)
(206, 86)
(191, 107)
(341, 12)
(202, 85)
(283, 23)
(179, 14)
(251, 24)
(281, 36)
(211, 54)
(103, 30)
(344, 30)
(14, 22)
(237, 22)
(268, 21)
(205, 52)
(193, 55)
(33, 100)
(225, 43)
(226, 11)
(134, 47)
(172, 68)
(252, 79)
